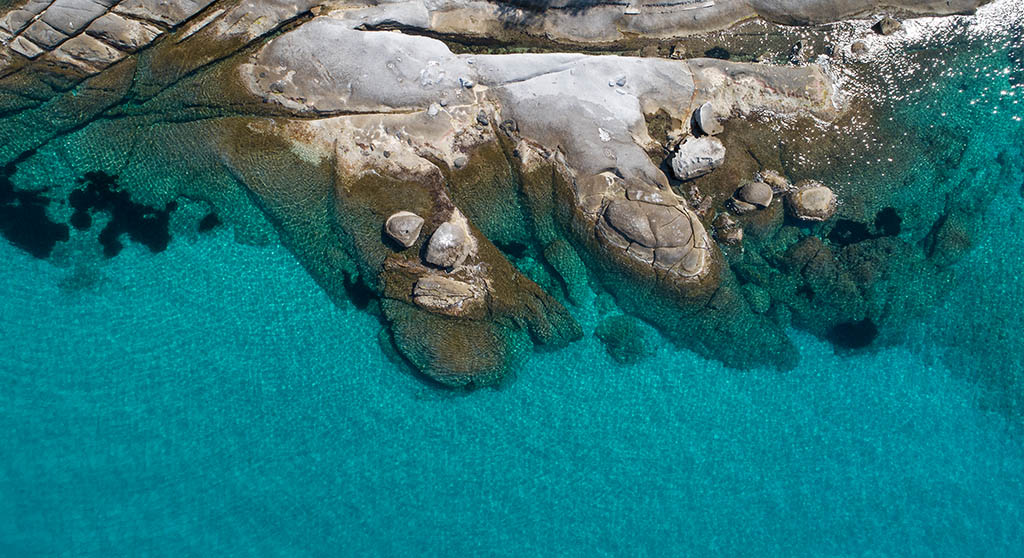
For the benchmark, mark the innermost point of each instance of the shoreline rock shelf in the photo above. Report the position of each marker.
(338, 126)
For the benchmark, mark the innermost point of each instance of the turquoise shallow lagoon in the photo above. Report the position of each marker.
(211, 400)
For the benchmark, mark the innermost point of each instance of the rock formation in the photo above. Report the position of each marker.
(320, 120)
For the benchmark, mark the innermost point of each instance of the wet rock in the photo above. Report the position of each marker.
(704, 119)
(404, 227)
(887, 26)
(757, 194)
(727, 230)
(697, 157)
(775, 179)
(812, 201)
(451, 243)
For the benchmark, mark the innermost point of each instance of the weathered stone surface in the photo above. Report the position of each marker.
(168, 12)
(697, 157)
(404, 227)
(124, 33)
(447, 295)
(812, 201)
(451, 243)
(775, 179)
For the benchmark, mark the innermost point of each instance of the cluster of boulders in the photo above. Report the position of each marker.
(451, 244)
(807, 200)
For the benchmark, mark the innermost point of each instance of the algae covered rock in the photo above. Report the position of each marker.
(626, 338)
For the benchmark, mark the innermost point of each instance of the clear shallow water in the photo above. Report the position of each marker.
(177, 410)
(210, 399)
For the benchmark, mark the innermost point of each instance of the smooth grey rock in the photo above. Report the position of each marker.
(755, 193)
(71, 16)
(44, 35)
(812, 201)
(704, 118)
(451, 243)
(404, 227)
(697, 157)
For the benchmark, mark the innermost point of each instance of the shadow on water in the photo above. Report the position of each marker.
(24, 221)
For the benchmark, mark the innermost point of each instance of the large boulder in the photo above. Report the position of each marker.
(697, 157)
(451, 243)
(812, 201)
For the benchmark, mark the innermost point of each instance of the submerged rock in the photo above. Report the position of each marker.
(812, 201)
(697, 157)
(625, 338)
(404, 227)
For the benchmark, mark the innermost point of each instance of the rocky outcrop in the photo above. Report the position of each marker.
(451, 243)
(334, 125)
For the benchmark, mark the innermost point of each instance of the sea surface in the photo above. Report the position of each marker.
(210, 400)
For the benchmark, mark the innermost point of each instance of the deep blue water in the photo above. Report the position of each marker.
(211, 400)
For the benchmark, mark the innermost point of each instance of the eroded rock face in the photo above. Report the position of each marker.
(448, 295)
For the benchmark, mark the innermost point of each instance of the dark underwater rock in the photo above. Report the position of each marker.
(625, 338)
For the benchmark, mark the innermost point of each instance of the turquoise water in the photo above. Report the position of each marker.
(211, 400)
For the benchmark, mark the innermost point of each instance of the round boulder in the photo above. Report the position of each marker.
(404, 227)
(812, 201)
(757, 194)
(451, 243)
(704, 118)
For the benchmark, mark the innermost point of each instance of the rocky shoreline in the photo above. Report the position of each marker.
(474, 195)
